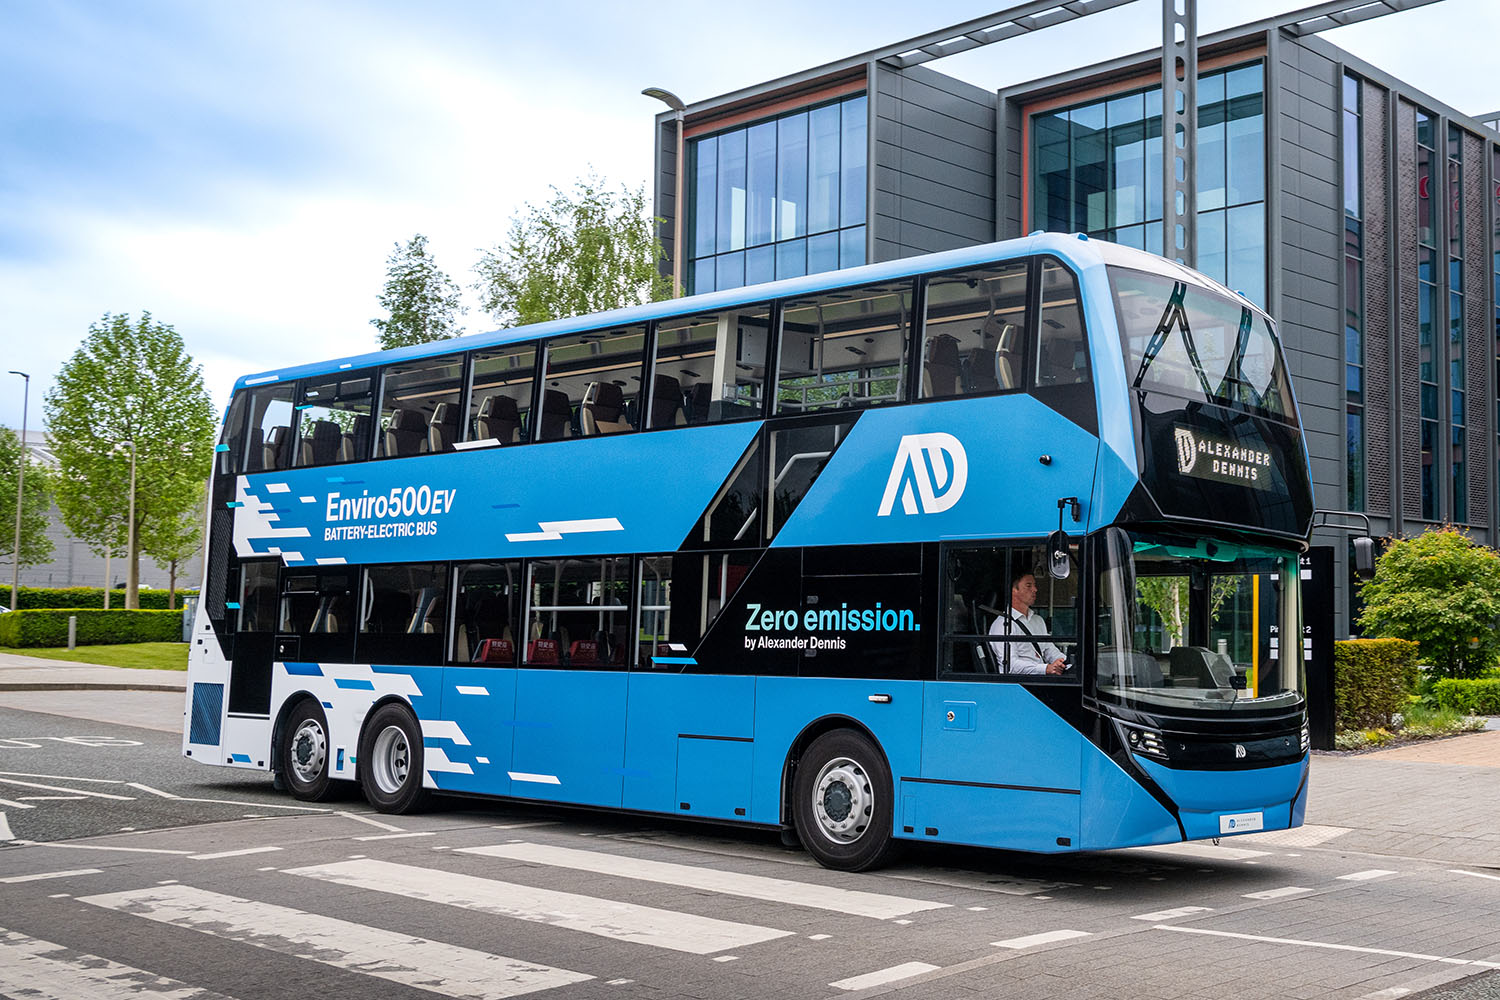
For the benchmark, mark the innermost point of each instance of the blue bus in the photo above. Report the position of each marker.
(996, 547)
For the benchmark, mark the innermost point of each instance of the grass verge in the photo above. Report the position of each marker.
(140, 655)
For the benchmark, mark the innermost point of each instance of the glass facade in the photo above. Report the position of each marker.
(1456, 359)
(1354, 289)
(779, 198)
(1427, 308)
(1096, 169)
(1495, 264)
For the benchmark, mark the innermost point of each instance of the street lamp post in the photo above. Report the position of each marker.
(132, 571)
(15, 556)
(678, 109)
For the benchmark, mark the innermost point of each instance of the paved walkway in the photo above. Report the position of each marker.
(1479, 749)
(33, 673)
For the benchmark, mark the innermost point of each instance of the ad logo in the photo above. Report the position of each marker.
(1187, 450)
(929, 473)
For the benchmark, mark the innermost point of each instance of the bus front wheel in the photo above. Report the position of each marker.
(303, 755)
(390, 761)
(842, 802)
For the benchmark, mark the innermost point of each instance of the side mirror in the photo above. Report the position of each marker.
(1058, 565)
(1364, 556)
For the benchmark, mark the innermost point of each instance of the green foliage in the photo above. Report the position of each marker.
(1471, 696)
(36, 489)
(422, 301)
(95, 627)
(87, 597)
(173, 542)
(1372, 678)
(585, 251)
(1440, 590)
(129, 381)
(1168, 597)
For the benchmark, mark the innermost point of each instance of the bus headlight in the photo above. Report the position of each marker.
(1147, 741)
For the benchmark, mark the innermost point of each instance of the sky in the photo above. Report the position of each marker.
(243, 170)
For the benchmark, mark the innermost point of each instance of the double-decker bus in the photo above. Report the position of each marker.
(765, 556)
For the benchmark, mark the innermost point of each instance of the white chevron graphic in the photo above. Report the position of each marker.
(553, 531)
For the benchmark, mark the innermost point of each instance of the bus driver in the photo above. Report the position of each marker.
(1026, 656)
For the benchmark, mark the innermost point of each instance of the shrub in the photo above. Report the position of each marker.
(1372, 678)
(1472, 697)
(96, 627)
(91, 597)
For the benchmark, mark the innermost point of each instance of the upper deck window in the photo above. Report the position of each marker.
(592, 383)
(975, 333)
(334, 421)
(1192, 342)
(845, 348)
(710, 367)
(419, 407)
(500, 406)
(271, 423)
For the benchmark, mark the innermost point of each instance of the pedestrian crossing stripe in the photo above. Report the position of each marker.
(414, 961)
(31, 967)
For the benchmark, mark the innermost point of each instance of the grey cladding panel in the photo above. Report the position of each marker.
(1407, 350)
(1377, 301)
(1479, 393)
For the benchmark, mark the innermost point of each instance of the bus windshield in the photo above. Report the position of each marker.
(1189, 624)
(1188, 340)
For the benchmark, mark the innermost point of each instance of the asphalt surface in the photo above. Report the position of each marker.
(137, 873)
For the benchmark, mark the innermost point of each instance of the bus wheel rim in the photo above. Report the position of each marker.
(391, 766)
(309, 751)
(843, 800)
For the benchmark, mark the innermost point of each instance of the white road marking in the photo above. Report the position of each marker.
(1181, 911)
(12, 804)
(153, 791)
(223, 802)
(602, 917)
(5, 833)
(896, 972)
(1046, 937)
(819, 937)
(523, 826)
(776, 890)
(980, 880)
(396, 836)
(61, 777)
(71, 791)
(727, 958)
(398, 958)
(1363, 876)
(30, 967)
(232, 854)
(40, 876)
(1288, 890)
(1200, 851)
(372, 822)
(52, 798)
(102, 847)
(1460, 871)
(1329, 946)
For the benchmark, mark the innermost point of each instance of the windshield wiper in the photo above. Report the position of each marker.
(1173, 315)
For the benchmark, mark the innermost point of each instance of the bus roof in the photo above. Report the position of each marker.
(1077, 249)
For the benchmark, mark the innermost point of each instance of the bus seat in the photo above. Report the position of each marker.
(602, 410)
(405, 433)
(355, 445)
(276, 452)
(442, 432)
(700, 399)
(495, 651)
(321, 446)
(499, 419)
(1007, 337)
(666, 402)
(557, 415)
(940, 372)
(981, 370)
(461, 644)
(584, 653)
(543, 651)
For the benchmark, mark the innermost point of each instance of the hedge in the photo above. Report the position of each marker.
(28, 598)
(96, 627)
(1472, 697)
(1372, 678)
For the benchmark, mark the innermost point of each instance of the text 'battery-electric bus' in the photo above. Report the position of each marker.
(997, 546)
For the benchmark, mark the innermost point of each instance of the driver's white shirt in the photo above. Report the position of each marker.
(1023, 656)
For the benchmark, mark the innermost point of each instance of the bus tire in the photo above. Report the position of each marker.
(302, 758)
(842, 802)
(390, 761)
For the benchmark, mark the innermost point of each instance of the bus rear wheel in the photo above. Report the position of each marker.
(842, 802)
(302, 757)
(390, 761)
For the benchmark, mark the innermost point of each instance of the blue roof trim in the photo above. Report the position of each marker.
(1078, 252)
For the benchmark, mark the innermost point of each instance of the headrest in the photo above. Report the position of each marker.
(665, 387)
(556, 401)
(326, 432)
(942, 350)
(499, 408)
(446, 413)
(407, 420)
(607, 394)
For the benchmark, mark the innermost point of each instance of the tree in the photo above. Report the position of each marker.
(584, 251)
(422, 301)
(130, 381)
(1440, 590)
(36, 547)
(170, 543)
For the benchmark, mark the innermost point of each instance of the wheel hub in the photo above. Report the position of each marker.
(309, 750)
(391, 765)
(843, 800)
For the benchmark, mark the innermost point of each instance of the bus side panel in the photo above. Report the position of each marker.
(570, 736)
(668, 759)
(1117, 811)
(1223, 803)
(999, 769)
(481, 702)
(784, 706)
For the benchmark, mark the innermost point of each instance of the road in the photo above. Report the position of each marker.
(135, 873)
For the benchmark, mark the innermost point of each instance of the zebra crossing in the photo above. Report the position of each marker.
(38, 969)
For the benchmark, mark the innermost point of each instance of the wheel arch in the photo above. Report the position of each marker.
(278, 729)
(810, 732)
(364, 724)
